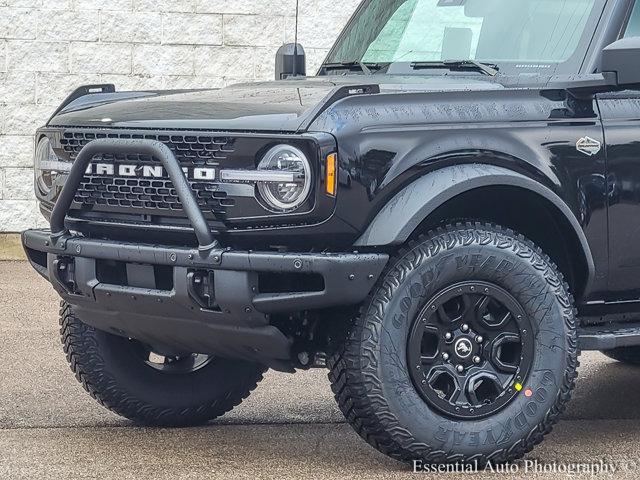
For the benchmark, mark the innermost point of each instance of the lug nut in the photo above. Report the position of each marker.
(460, 369)
(479, 339)
(448, 336)
(445, 356)
(476, 359)
(465, 328)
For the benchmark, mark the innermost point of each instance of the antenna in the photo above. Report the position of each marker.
(291, 60)
(295, 41)
(297, 18)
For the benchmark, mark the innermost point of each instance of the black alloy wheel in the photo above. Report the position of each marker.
(470, 350)
(170, 364)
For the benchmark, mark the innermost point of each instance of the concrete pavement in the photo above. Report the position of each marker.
(288, 428)
(11, 247)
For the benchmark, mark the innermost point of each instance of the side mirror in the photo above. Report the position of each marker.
(290, 61)
(623, 59)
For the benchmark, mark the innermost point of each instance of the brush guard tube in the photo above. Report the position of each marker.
(140, 147)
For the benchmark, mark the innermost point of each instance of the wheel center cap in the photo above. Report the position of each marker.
(463, 347)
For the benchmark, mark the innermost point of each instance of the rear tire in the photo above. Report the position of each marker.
(114, 373)
(627, 355)
(395, 410)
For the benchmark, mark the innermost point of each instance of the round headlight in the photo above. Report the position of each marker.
(291, 182)
(45, 159)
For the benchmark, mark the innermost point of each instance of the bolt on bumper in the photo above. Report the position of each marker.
(236, 324)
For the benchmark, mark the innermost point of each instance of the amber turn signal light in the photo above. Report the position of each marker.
(331, 174)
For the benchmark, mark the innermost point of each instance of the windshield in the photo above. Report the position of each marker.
(515, 35)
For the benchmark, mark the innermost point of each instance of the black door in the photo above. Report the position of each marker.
(621, 117)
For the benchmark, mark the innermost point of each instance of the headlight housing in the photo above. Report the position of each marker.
(290, 182)
(47, 166)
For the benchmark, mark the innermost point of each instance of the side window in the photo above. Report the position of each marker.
(633, 27)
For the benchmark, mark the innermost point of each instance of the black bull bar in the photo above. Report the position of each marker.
(151, 148)
(231, 318)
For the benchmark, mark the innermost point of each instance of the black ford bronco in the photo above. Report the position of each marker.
(444, 216)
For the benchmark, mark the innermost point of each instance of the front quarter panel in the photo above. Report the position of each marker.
(388, 141)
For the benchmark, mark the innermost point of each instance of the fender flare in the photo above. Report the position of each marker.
(400, 217)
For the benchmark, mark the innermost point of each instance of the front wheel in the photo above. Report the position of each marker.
(130, 379)
(466, 352)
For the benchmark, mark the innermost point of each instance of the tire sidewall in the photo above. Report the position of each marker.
(483, 256)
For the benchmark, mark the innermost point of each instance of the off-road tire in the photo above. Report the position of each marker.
(628, 355)
(119, 381)
(369, 373)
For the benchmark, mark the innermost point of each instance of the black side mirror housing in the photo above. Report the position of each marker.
(623, 58)
(291, 61)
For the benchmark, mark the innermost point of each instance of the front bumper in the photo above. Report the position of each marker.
(196, 300)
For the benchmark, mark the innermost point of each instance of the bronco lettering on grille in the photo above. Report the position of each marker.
(148, 171)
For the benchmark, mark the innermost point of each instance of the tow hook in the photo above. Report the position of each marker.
(200, 284)
(64, 271)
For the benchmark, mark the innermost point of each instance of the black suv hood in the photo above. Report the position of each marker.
(283, 106)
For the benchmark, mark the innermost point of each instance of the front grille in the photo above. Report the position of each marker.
(148, 194)
(153, 200)
(155, 197)
(190, 150)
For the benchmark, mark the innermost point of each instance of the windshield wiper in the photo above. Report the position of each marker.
(486, 68)
(367, 68)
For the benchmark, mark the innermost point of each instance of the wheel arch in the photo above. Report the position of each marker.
(462, 192)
